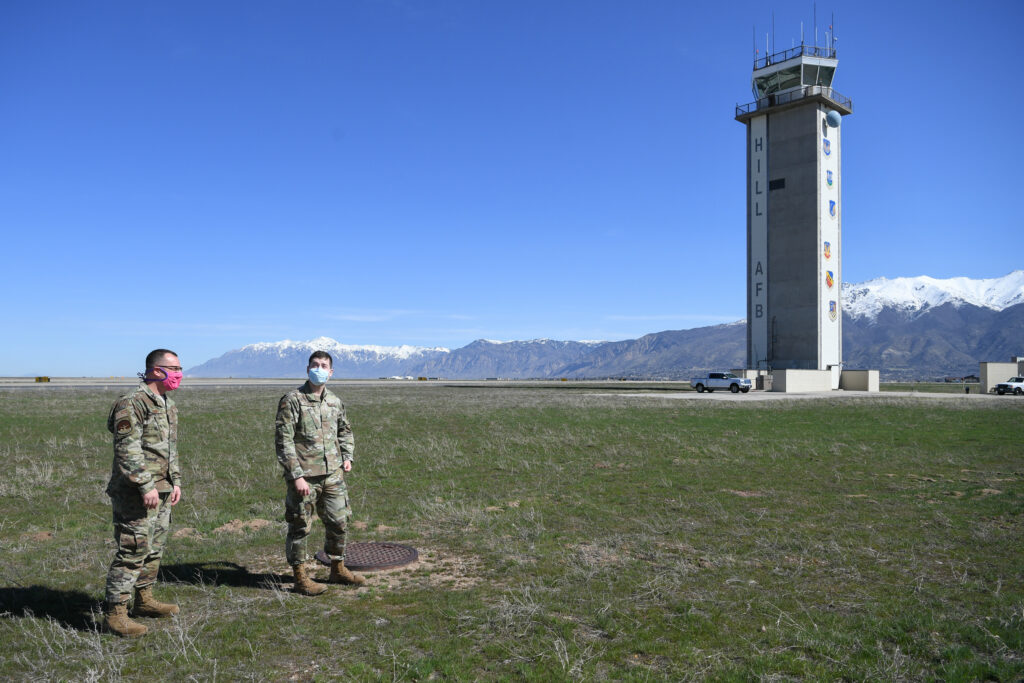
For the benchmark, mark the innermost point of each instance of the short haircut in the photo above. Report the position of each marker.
(320, 354)
(157, 354)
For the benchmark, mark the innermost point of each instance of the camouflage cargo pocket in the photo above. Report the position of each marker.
(336, 505)
(130, 541)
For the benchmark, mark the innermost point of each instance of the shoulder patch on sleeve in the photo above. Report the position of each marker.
(123, 426)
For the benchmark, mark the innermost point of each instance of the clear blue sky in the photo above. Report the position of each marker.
(206, 175)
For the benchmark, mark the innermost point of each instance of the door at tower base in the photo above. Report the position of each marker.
(801, 381)
(859, 380)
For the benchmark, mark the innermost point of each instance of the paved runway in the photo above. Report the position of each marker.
(670, 390)
(779, 396)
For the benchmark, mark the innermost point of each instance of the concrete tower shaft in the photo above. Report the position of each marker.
(794, 212)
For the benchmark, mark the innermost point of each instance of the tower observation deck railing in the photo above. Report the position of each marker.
(802, 50)
(794, 95)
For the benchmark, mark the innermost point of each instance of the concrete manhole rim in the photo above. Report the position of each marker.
(374, 556)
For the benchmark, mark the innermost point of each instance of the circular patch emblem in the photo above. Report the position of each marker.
(124, 426)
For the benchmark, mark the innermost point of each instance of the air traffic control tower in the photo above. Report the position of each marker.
(794, 213)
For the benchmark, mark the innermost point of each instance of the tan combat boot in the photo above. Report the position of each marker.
(117, 622)
(148, 606)
(304, 585)
(342, 574)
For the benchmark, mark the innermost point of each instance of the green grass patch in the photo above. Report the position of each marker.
(564, 534)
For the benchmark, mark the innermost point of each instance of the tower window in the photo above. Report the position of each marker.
(777, 184)
(777, 81)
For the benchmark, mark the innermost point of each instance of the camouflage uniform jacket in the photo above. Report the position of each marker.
(313, 434)
(145, 429)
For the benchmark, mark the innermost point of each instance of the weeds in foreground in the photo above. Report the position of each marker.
(57, 651)
(564, 535)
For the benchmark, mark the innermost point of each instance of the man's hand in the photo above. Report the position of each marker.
(175, 495)
(151, 499)
(347, 465)
(301, 486)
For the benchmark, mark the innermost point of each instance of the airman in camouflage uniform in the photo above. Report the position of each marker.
(314, 447)
(145, 482)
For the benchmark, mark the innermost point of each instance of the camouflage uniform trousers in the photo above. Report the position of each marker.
(328, 497)
(140, 536)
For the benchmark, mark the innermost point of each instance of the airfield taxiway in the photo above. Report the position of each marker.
(640, 390)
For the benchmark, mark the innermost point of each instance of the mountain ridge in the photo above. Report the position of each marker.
(914, 294)
(908, 328)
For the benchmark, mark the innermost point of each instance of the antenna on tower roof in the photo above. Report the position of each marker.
(815, 24)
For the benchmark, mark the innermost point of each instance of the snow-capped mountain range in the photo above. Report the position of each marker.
(913, 295)
(909, 328)
(339, 350)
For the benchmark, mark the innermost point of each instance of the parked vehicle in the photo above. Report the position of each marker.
(1014, 385)
(721, 380)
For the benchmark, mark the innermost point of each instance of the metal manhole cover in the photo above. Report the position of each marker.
(373, 556)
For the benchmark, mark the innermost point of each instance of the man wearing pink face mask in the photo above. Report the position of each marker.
(145, 482)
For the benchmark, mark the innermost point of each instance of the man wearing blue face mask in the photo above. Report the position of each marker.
(314, 446)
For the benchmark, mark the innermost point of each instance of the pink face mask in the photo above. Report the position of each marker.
(171, 379)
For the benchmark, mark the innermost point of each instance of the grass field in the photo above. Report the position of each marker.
(563, 535)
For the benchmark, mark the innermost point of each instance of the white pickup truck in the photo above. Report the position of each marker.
(1014, 385)
(720, 380)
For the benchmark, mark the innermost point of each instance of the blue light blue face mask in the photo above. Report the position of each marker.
(318, 375)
